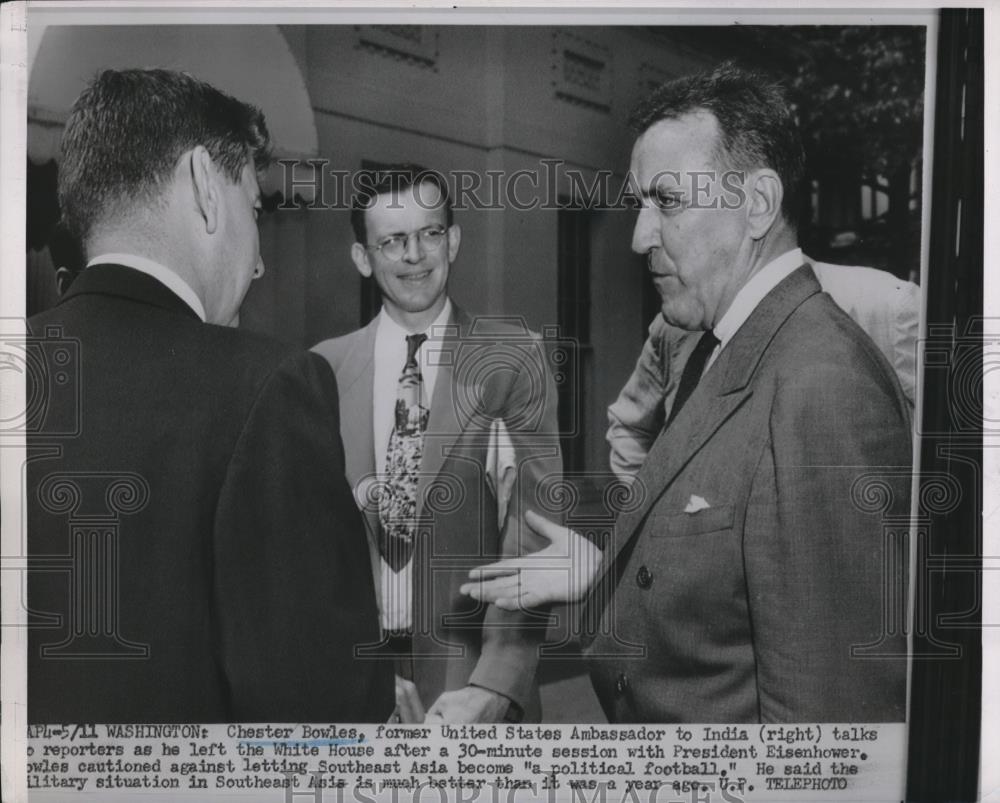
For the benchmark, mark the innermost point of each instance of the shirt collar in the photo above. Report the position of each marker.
(161, 273)
(753, 292)
(387, 326)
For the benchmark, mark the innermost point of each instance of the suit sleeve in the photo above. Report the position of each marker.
(636, 417)
(822, 574)
(511, 639)
(905, 339)
(294, 588)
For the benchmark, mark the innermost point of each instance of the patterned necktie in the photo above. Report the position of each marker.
(693, 370)
(397, 507)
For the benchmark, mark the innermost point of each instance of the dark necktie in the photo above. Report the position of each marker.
(693, 370)
(397, 508)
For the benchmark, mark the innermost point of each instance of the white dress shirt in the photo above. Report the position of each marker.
(750, 296)
(161, 273)
(390, 357)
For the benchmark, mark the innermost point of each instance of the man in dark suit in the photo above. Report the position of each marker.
(449, 425)
(748, 583)
(196, 552)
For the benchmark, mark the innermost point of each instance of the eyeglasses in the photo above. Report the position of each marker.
(394, 246)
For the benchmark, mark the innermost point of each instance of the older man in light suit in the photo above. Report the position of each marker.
(751, 574)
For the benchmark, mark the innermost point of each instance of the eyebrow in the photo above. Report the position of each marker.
(402, 233)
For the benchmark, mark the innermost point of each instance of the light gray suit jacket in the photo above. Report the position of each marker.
(750, 582)
(488, 370)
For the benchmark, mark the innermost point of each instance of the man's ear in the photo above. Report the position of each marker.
(205, 185)
(454, 241)
(359, 254)
(764, 196)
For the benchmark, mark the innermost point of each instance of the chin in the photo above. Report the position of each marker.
(682, 319)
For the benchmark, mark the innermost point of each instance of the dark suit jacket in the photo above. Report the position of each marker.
(488, 370)
(219, 569)
(767, 604)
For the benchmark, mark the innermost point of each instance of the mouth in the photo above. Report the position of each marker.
(414, 277)
(654, 272)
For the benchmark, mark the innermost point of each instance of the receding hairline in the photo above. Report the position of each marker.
(416, 190)
(717, 151)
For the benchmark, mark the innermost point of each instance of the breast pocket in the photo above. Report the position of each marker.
(680, 525)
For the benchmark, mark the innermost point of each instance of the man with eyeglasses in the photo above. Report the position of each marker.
(449, 425)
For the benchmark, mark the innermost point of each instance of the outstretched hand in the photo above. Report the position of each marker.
(561, 572)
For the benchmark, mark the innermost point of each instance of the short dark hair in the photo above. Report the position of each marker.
(127, 130)
(756, 124)
(392, 179)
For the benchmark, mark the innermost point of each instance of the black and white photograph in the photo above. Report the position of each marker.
(547, 403)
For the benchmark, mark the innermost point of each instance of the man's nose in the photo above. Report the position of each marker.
(259, 270)
(414, 247)
(644, 235)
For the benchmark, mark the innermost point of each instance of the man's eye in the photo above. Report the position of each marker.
(667, 202)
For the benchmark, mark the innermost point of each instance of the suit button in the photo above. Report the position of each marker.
(621, 684)
(643, 577)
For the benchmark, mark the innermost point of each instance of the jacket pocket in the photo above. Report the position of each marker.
(708, 520)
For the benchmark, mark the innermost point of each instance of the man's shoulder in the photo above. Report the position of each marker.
(260, 350)
(336, 349)
(820, 337)
(219, 355)
(865, 292)
(502, 327)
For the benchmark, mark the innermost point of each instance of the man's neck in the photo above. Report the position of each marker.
(148, 249)
(771, 248)
(416, 322)
(762, 253)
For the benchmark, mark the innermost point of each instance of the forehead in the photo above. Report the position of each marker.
(686, 143)
(411, 208)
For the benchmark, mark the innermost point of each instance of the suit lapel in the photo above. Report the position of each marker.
(721, 392)
(447, 419)
(357, 421)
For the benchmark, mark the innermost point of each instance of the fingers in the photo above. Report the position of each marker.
(436, 713)
(408, 704)
(554, 532)
(519, 602)
(544, 560)
(501, 567)
(491, 590)
(468, 704)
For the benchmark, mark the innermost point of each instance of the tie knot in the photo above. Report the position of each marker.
(413, 342)
(708, 341)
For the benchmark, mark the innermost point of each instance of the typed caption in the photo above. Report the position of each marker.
(499, 763)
